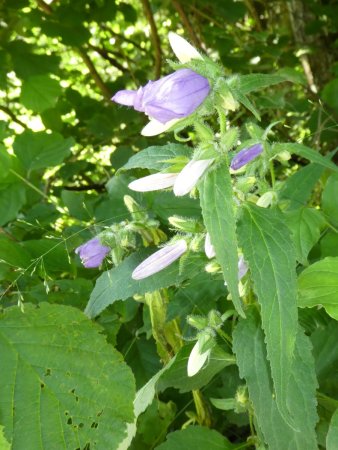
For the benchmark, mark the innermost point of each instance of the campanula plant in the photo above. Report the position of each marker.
(240, 235)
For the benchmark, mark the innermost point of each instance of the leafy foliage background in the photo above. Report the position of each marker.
(61, 182)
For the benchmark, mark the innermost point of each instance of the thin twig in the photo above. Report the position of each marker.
(186, 22)
(105, 54)
(45, 7)
(94, 73)
(155, 37)
(12, 116)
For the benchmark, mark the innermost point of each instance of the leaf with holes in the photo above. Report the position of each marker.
(62, 386)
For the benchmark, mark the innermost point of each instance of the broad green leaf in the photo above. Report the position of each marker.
(297, 189)
(40, 150)
(329, 199)
(177, 376)
(330, 93)
(165, 204)
(40, 92)
(216, 198)
(307, 153)
(62, 385)
(12, 198)
(305, 225)
(49, 255)
(318, 285)
(156, 157)
(117, 284)
(197, 438)
(268, 248)
(250, 350)
(332, 435)
(329, 244)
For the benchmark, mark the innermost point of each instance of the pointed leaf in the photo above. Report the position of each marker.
(332, 435)
(216, 198)
(267, 247)
(249, 347)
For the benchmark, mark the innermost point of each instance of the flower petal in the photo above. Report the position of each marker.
(159, 260)
(125, 97)
(190, 175)
(92, 253)
(154, 127)
(182, 49)
(242, 269)
(246, 155)
(153, 182)
(196, 360)
(208, 247)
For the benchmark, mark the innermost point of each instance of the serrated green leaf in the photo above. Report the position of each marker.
(332, 435)
(40, 92)
(307, 153)
(268, 248)
(257, 81)
(305, 225)
(217, 205)
(197, 438)
(62, 385)
(298, 187)
(40, 150)
(117, 284)
(329, 199)
(318, 285)
(250, 350)
(156, 157)
(176, 376)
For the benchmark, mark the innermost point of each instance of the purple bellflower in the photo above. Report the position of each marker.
(246, 155)
(92, 253)
(172, 97)
(160, 260)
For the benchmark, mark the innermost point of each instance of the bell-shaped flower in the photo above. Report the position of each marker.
(153, 182)
(172, 97)
(208, 247)
(92, 253)
(246, 155)
(242, 269)
(196, 359)
(189, 176)
(160, 260)
(184, 51)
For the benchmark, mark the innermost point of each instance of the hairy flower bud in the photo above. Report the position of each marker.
(189, 176)
(246, 155)
(172, 97)
(160, 260)
(92, 253)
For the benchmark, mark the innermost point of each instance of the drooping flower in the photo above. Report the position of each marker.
(242, 269)
(246, 155)
(189, 176)
(92, 253)
(208, 247)
(153, 182)
(172, 97)
(160, 260)
(196, 359)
